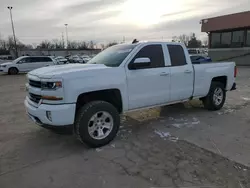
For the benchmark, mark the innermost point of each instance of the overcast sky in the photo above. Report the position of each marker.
(110, 20)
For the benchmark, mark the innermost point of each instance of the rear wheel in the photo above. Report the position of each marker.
(216, 97)
(13, 71)
(97, 123)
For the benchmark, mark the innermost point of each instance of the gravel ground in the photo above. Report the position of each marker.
(152, 149)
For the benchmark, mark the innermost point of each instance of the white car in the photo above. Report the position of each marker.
(26, 64)
(85, 58)
(61, 60)
(122, 78)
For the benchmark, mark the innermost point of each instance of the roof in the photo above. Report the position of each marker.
(232, 21)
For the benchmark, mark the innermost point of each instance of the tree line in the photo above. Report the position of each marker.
(6, 45)
(190, 41)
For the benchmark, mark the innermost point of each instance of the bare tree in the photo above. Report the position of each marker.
(174, 39)
(111, 44)
(102, 46)
(91, 44)
(184, 39)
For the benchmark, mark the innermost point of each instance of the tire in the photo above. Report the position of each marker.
(91, 118)
(211, 102)
(12, 71)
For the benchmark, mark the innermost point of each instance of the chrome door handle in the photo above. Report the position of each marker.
(164, 74)
(187, 71)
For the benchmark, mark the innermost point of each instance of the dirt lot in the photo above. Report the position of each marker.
(176, 146)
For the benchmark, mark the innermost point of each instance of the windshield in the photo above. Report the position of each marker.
(113, 56)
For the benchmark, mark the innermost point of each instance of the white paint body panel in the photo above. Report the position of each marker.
(141, 88)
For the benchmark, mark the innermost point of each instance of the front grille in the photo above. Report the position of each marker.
(34, 83)
(34, 98)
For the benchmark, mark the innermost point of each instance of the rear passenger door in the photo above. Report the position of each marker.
(182, 74)
(148, 85)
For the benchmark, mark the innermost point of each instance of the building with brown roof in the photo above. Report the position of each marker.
(229, 36)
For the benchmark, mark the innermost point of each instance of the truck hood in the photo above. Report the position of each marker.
(60, 70)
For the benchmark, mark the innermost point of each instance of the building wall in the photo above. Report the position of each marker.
(239, 55)
(38, 52)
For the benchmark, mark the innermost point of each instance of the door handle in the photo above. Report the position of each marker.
(164, 74)
(188, 71)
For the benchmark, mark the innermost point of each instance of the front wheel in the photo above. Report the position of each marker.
(13, 71)
(97, 123)
(216, 97)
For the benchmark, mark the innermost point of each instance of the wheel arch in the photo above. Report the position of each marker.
(112, 96)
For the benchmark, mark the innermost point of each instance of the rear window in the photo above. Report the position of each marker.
(177, 55)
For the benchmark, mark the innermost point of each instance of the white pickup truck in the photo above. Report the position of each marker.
(122, 78)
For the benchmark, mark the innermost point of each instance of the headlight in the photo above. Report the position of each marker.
(51, 85)
(3, 66)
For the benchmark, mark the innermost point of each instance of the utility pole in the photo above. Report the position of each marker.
(67, 37)
(63, 41)
(13, 29)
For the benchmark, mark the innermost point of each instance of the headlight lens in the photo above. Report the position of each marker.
(51, 85)
(3, 66)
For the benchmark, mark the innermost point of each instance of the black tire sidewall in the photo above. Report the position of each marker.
(13, 70)
(83, 117)
(209, 101)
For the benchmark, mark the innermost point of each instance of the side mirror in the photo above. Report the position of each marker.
(141, 62)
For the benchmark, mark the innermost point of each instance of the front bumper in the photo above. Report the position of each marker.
(233, 87)
(62, 115)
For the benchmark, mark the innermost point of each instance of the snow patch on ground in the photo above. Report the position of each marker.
(245, 98)
(166, 135)
(183, 122)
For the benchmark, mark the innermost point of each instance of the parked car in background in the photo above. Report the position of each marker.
(26, 64)
(77, 59)
(86, 58)
(198, 59)
(122, 78)
(61, 60)
(197, 51)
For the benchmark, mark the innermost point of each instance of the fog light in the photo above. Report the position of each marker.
(49, 116)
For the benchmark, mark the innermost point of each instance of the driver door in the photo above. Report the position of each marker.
(148, 85)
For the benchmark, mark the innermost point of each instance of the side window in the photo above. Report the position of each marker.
(34, 59)
(177, 55)
(45, 59)
(25, 60)
(154, 52)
